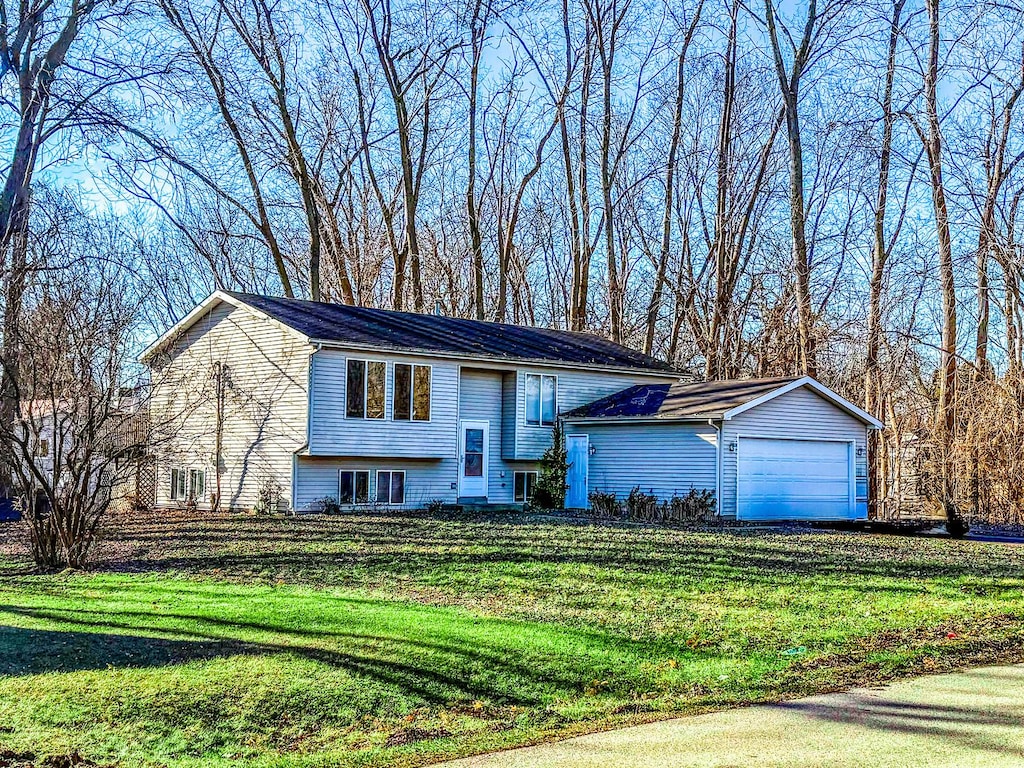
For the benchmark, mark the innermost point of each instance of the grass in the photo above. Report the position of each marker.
(383, 640)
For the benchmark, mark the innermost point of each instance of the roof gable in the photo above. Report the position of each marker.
(345, 325)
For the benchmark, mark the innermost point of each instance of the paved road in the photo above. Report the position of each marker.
(959, 720)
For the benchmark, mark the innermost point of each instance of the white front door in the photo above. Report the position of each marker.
(474, 437)
(795, 479)
(577, 449)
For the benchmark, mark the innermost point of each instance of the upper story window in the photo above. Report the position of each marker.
(364, 389)
(541, 399)
(412, 393)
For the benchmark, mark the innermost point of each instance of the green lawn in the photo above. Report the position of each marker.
(383, 640)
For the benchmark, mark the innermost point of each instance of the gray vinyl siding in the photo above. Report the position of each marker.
(800, 413)
(333, 434)
(508, 414)
(481, 396)
(265, 409)
(425, 481)
(574, 388)
(663, 459)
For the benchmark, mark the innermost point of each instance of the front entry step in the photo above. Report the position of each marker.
(472, 500)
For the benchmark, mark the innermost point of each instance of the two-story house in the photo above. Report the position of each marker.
(270, 402)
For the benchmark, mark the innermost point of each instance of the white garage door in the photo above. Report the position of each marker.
(795, 480)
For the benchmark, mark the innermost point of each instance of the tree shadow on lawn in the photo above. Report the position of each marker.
(452, 667)
(410, 543)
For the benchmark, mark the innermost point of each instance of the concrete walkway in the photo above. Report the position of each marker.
(958, 720)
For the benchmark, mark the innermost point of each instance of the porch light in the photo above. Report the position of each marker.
(732, 447)
(591, 449)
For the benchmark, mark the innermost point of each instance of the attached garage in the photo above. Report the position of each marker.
(770, 449)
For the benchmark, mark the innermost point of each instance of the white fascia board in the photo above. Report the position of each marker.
(816, 386)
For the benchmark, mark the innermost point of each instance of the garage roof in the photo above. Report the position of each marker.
(704, 400)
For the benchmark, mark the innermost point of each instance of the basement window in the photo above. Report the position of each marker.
(390, 486)
(354, 487)
(524, 485)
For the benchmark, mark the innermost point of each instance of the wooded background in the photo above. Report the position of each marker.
(761, 188)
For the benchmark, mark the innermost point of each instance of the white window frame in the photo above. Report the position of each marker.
(183, 484)
(412, 392)
(376, 487)
(366, 382)
(355, 498)
(526, 494)
(540, 423)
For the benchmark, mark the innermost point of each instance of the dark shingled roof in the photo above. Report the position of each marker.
(447, 335)
(706, 399)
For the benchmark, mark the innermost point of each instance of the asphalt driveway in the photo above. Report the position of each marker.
(958, 720)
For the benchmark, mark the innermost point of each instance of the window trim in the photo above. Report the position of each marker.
(376, 487)
(355, 497)
(540, 424)
(412, 392)
(526, 494)
(366, 381)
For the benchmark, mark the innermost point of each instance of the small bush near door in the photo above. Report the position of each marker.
(697, 506)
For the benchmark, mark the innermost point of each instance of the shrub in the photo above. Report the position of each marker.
(554, 468)
(603, 504)
(435, 506)
(268, 496)
(641, 506)
(329, 505)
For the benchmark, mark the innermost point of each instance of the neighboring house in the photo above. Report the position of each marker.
(280, 402)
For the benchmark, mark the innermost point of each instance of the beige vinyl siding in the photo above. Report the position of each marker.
(333, 434)
(575, 388)
(265, 409)
(425, 481)
(800, 413)
(663, 459)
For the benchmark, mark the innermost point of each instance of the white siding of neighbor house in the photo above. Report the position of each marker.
(575, 388)
(661, 458)
(264, 419)
(333, 434)
(800, 413)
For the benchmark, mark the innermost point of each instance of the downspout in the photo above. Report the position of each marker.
(309, 428)
(718, 466)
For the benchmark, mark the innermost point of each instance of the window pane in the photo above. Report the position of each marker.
(345, 488)
(181, 484)
(532, 399)
(474, 441)
(354, 389)
(520, 486)
(548, 400)
(403, 392)
(531, 483)
(174, 484)
(200, 484)
(362, 487)
(398, 487)
(421, 399)
(474, 465)
(375, 375)
(383, 487)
